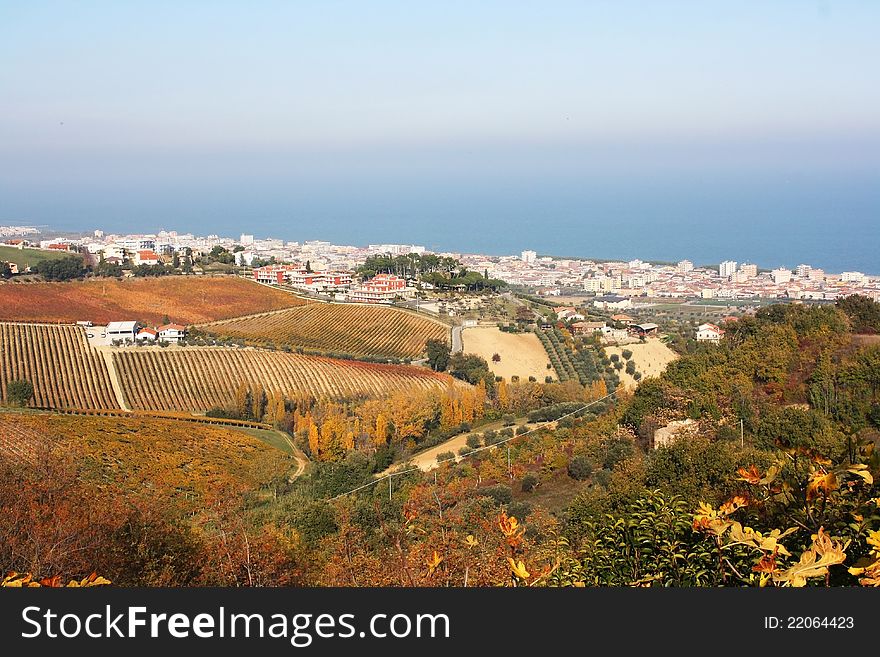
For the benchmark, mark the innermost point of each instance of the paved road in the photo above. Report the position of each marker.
(457, 344)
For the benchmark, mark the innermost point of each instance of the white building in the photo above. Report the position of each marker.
(611, 302)
(529, 257)
(727, 268)
(803, 271)
(856, 277)
(172, 332)
(121, 331)
(781, 276)
(246, 240)
(709, 333)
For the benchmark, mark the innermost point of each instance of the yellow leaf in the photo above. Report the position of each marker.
(518, 569)
(470, 541)
(814, 562)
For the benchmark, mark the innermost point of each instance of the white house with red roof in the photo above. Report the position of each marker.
(709, 333)
(171, 332)
(147, 335)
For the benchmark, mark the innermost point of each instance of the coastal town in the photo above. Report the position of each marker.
(322, 267)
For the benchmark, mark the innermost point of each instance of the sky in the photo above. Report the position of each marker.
(164, 112)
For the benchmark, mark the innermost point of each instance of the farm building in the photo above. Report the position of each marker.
(612, 302)
(121, 331)
(645, 330)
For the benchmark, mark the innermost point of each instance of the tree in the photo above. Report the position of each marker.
(496, 358)
(438, 354)
(63, 269)
(20, 392)
(5, 270)
(308, 266)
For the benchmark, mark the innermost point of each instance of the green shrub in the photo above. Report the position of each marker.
(580, 467)
(473, 441)
(499, 492)
(529, 482)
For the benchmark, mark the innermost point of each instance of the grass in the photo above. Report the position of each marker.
(270, 437)
(29, 257)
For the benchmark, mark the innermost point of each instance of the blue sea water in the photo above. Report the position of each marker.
(831, 222)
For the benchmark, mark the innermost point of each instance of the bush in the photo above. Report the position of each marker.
(314, 521)
(473, 441)
(508, 419)
(580, 468)
(445, 456)
(490, 437)
(465, 451)
(519, 510)
(506, 432)
(223, 413)
(603, 477)
(20, 392)
(615, 358)
(529, 483)
(548, 379)
(627, 354)
(521, 430)
(499, 492)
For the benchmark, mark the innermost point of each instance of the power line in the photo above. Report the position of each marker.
(400, 473)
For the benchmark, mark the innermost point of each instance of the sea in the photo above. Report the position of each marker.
(833, 224)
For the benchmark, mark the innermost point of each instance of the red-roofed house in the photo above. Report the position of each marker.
(172, 332)
(146, 258)
(147, 334)
(709, 333)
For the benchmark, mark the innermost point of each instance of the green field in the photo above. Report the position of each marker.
(29, 257)
(271, 438)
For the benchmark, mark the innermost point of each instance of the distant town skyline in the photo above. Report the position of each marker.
(584, 127)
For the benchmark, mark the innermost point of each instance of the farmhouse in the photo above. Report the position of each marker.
(709, 333)
(586, 328)
(623, 319)
(147, 335)
(567, 313)
(172, 332)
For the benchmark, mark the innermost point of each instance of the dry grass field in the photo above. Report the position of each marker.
(183, 299)
(522, 354)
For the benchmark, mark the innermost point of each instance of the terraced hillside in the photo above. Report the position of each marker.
(200, 378)
(183, 299)
(353, 329)
(64, 370)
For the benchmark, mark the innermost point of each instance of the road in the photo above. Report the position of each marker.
(457, 344)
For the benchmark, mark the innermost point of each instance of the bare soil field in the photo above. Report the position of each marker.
(651, 359)
(522, 354)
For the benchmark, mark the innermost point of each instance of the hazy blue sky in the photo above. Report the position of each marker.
(106, 107)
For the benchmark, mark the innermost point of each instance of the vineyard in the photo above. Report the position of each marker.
(338, 329)
(64, 370)
(183, 299)
(165, 457)
(201, 378)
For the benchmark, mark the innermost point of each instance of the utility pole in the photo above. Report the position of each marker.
(742, 440)
(509, 471)
(389, 489)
